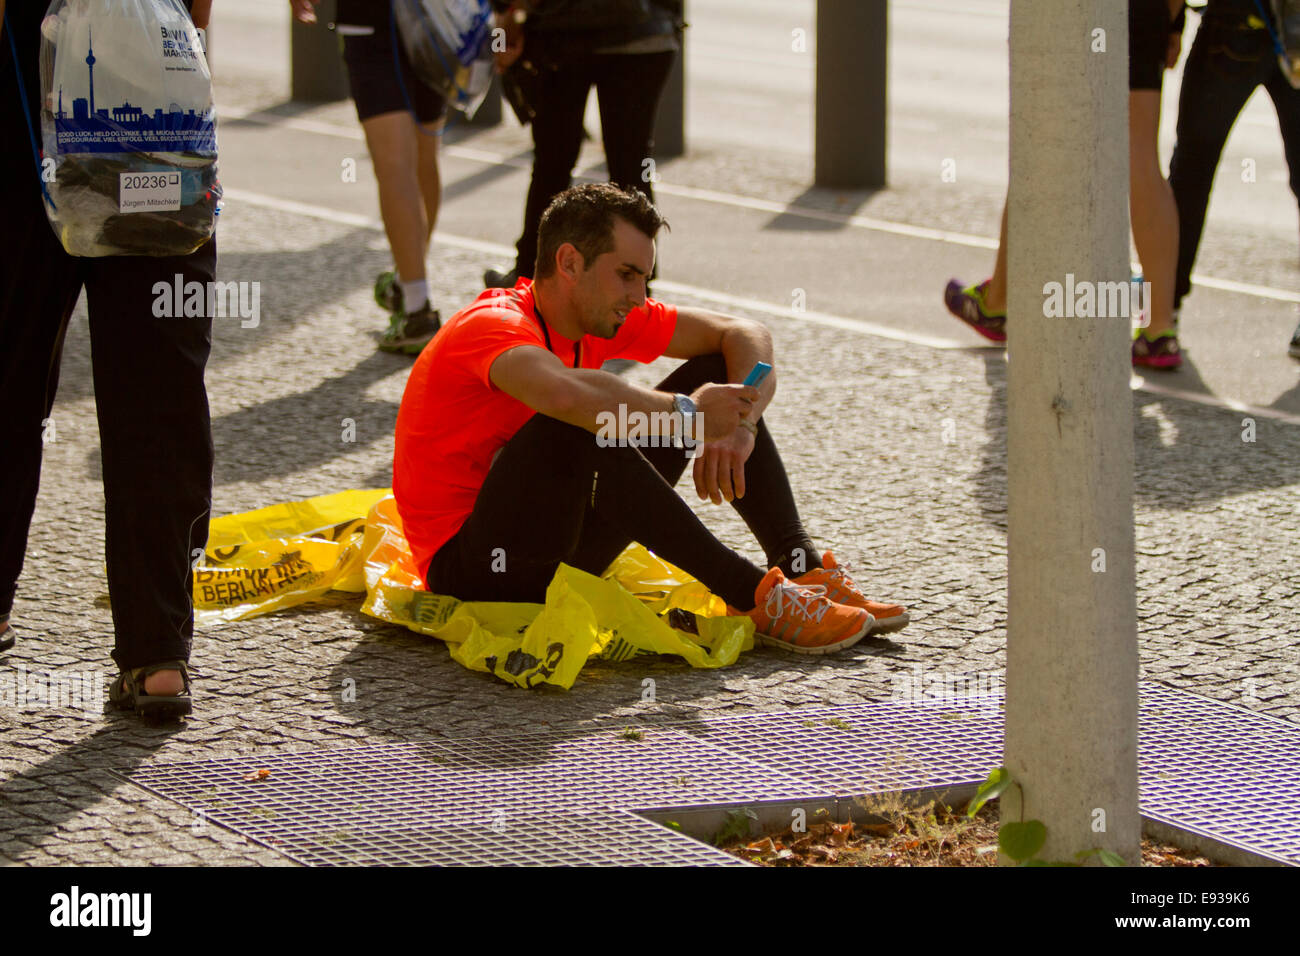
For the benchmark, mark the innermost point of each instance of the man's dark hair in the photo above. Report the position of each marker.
(584, 216)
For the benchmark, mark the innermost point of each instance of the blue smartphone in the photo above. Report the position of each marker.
(757, 374)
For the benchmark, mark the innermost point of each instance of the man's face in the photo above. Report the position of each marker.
(614, 284)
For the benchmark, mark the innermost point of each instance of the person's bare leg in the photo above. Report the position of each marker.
(394, 153)
(429, 174)
(995, 293)
(1152, 210)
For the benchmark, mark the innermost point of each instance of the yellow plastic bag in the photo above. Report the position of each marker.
(615, 617)
(288, 554)
(276, 557)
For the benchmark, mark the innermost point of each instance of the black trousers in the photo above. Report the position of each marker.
(1223, 69)
(155, 432)
(628, 86)
(554, 495)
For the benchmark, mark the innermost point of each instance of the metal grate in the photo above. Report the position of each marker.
(602, 838)
(434, 793)
(1212, 768)
(1221, 771)
(857, 749)
(564, 796)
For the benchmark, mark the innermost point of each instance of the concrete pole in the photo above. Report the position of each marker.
(850, 99)
(1071, 717)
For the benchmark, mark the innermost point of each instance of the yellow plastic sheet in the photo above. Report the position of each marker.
(291, 553)
(276, 557)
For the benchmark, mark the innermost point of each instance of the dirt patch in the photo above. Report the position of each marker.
(899, 834)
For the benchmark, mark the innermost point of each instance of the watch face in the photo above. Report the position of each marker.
(684, 404)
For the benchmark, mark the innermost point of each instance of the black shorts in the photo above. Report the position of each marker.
(373, 66)
(1148, 40)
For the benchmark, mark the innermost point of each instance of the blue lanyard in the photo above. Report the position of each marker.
(1278, 48)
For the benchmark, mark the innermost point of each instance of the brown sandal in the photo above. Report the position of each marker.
(128, 693)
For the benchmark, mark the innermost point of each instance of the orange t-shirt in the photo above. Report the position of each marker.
(453, 419)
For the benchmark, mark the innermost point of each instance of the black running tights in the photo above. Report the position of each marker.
(554, 495)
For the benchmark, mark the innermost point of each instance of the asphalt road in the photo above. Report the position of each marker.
(746, 223)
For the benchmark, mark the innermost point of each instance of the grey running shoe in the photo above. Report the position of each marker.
(388, 292)
(409, 334)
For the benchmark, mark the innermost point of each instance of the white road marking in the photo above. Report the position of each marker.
(721, 298)
(491, 158)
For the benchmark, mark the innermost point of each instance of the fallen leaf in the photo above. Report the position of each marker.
(257, 774)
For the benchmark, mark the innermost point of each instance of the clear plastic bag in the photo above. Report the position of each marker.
(449, 45)
(128, 128)
(1288, 40)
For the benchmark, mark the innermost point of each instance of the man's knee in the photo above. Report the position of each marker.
(694, 372)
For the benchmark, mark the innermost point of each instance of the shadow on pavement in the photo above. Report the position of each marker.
(408, 689)
(488, 174)
(817, 199)
(298, 432)
(36, 802)
(1185, 453)
(283, 276)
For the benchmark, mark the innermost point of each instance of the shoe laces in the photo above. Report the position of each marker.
(807, 600)
(840, 576)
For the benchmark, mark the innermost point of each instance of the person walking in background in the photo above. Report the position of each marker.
(1155, 40)
(154, 426)
(403, 120)
(556, 51)
(1233, 53)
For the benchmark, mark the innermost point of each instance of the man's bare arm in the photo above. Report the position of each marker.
(541, 381)
(742, 342)
(200, 12)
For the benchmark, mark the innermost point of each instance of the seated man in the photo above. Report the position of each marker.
(509, 458)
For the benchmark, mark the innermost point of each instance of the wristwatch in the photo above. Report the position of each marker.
(683, 406)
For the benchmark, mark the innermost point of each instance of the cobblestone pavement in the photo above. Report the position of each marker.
(896, 454)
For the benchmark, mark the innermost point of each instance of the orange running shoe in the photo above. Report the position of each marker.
(801, 619)
(841, 589)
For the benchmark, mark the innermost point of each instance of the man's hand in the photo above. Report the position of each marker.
(720, 470)
(303, 10)
(719, 409)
